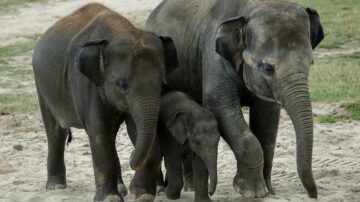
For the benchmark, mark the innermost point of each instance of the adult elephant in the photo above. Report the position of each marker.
(93, 69)
(238, 53)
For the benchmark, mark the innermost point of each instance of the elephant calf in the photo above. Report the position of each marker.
(93, 69)
(184, 126)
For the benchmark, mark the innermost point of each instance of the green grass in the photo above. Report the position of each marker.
(340, 20)
(331, 118)
(16, 102)
(25, 102)
(352, 112)
(5, 5)
(336, 78)
(140, 25)
(12, 70)
(15, 50)
(353, 109)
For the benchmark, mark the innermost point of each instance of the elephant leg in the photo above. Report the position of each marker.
(121, 185)
(160, 183)
(104, 159)
(56, 137)
(143, 185)
(264, 122)
(174, 176)
(221, 96)
(201, 176)
(188, 172)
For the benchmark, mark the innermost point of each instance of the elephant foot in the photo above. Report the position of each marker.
(160, 189)
(249, 186)
(141, 195)
(55, 186)
(55, 183)
(172, 194)
(203, 199)
(146, 198)
(269, 187)
(137, 192)
(189, 186)
(122, 190)
(107, 195)
(111, 198)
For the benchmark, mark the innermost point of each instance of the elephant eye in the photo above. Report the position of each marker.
(122, 85)
(267, 69)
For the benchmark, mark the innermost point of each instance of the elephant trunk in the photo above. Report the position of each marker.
(145, 111)
(210, 160)
(296, 100)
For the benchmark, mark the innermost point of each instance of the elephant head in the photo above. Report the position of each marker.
(129, 71)
(271, 49)
(199, 130)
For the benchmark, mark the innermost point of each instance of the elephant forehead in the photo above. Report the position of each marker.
(136, 49)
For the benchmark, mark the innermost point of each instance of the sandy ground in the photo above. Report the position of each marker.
(23, 147)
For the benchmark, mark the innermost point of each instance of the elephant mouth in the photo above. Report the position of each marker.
(277, 101)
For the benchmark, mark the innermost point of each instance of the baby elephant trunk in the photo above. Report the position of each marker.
(210, 160)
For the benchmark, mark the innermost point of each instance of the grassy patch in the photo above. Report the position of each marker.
(11, 68)
(15, 50)
(336, 78)
(5, 5)
(340, 20)
(353, 109)
(331, 118)
(140, 25)
(25, 102)
(353, 113)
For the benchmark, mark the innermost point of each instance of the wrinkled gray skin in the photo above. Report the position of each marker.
(254, 53)
(186, 127)
(93, 69)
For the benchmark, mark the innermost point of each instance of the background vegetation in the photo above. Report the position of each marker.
(340, 19)
(7, 5)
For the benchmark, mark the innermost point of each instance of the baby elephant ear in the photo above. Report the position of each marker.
(316, 29)
(90, 60)
(171, 57)
(230, 40)
(177, 127)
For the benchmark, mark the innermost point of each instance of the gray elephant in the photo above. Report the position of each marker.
(93, 69)
(186, 127)
(254, 53)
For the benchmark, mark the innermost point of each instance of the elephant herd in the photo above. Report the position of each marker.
(179, 85)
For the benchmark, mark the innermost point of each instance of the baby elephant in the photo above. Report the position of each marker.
(184, 126)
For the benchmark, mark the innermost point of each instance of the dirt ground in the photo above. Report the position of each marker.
(23, 147)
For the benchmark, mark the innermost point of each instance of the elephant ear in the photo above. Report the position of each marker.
(177, 127)
(170, 53)
(90, 60)
(316, 29)
(230, 40)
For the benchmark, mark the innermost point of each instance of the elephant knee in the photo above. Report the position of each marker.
(252, 151)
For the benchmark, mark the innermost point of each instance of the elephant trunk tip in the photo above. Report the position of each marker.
(213, 180)
(212, 187)
(309, 183)
(312, 191)
(136, 164)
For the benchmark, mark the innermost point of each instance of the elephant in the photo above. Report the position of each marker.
(255, 53)
(185, 127)
(93, 69)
